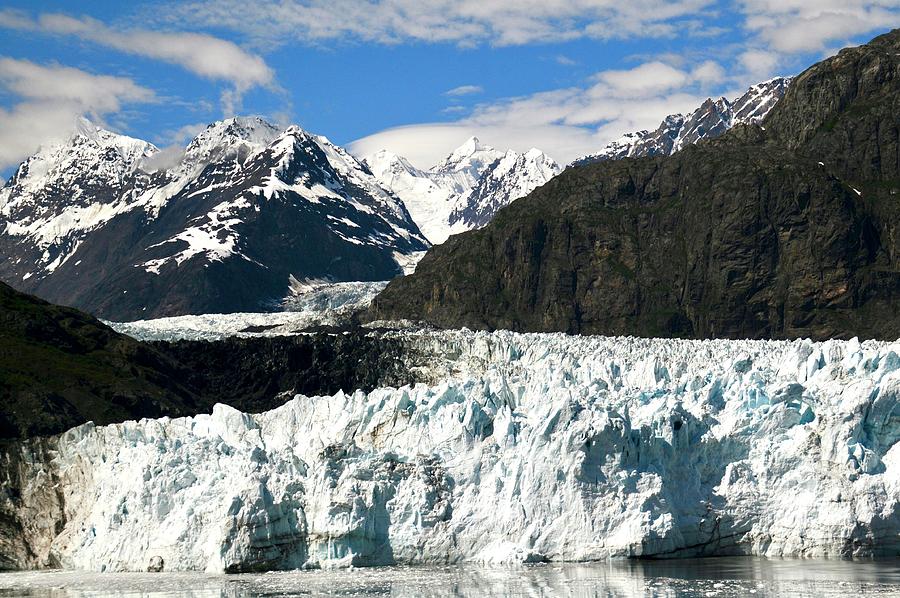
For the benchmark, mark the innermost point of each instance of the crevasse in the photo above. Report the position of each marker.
(525, 447)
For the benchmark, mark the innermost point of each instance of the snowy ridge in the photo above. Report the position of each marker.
(710, 120)
(94, 162)
(465, 189)
(242, 149)
(427, 198)
(513, 176)
(100, 215)
(591, 447)
(71, 187)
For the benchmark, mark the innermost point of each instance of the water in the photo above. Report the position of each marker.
(719, 577)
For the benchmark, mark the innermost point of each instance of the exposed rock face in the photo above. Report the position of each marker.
(785, 230)
(157, 565)
(101, 223)
(541, 447)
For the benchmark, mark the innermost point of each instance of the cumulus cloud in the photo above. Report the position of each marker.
(759, 63)
(709, 72)
(204, 55)
(646, 79)
(51, 97)
(464, 90)
(772, 36)
(793, 26)
(466, 22)
(565, 123)
(779, 31)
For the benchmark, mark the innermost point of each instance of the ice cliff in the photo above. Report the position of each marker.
(530, 447)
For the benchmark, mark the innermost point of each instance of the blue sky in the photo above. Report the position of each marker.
(415, 76)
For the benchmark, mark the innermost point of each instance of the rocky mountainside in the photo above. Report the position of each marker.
(787, 229)
(103, 223)
(60, 368)
(712, 119)
(466, 189)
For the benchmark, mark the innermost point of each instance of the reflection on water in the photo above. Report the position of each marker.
(723, 577)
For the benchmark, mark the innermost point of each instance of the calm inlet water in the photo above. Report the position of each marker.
(701, 577)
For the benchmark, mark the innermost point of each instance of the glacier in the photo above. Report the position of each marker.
(514, 448)
(311, 303)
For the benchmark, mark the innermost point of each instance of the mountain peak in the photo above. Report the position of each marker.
(386, 165)
(260, 203)
(86, 128)
(251, 129)
(711, 119)
(470, 147)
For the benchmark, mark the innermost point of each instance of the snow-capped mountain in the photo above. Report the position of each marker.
(466, 189)
(99, 222)
(513, 176)
(710, 120)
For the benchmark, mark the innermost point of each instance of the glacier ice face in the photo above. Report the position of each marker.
(529, 447)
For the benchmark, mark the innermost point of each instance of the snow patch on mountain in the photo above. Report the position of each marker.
(216, 238)
(712, 119)
(530, 447)
(465, 189)
(61, 192)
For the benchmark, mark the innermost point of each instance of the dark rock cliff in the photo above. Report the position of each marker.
(787, 229)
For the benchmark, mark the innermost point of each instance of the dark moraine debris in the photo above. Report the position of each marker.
(257, 374)
(60, 368)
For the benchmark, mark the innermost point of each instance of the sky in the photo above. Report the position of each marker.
(417, 77)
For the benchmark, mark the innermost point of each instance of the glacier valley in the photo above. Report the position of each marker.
(513, 448)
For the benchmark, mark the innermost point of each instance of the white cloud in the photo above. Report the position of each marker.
(646, 79)
(51, 98)
(796, 26)
(204, 55)
(565, 123)
(466, 22)
(759, 63)
(709, 72)
(100, 92)
(464, 90)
